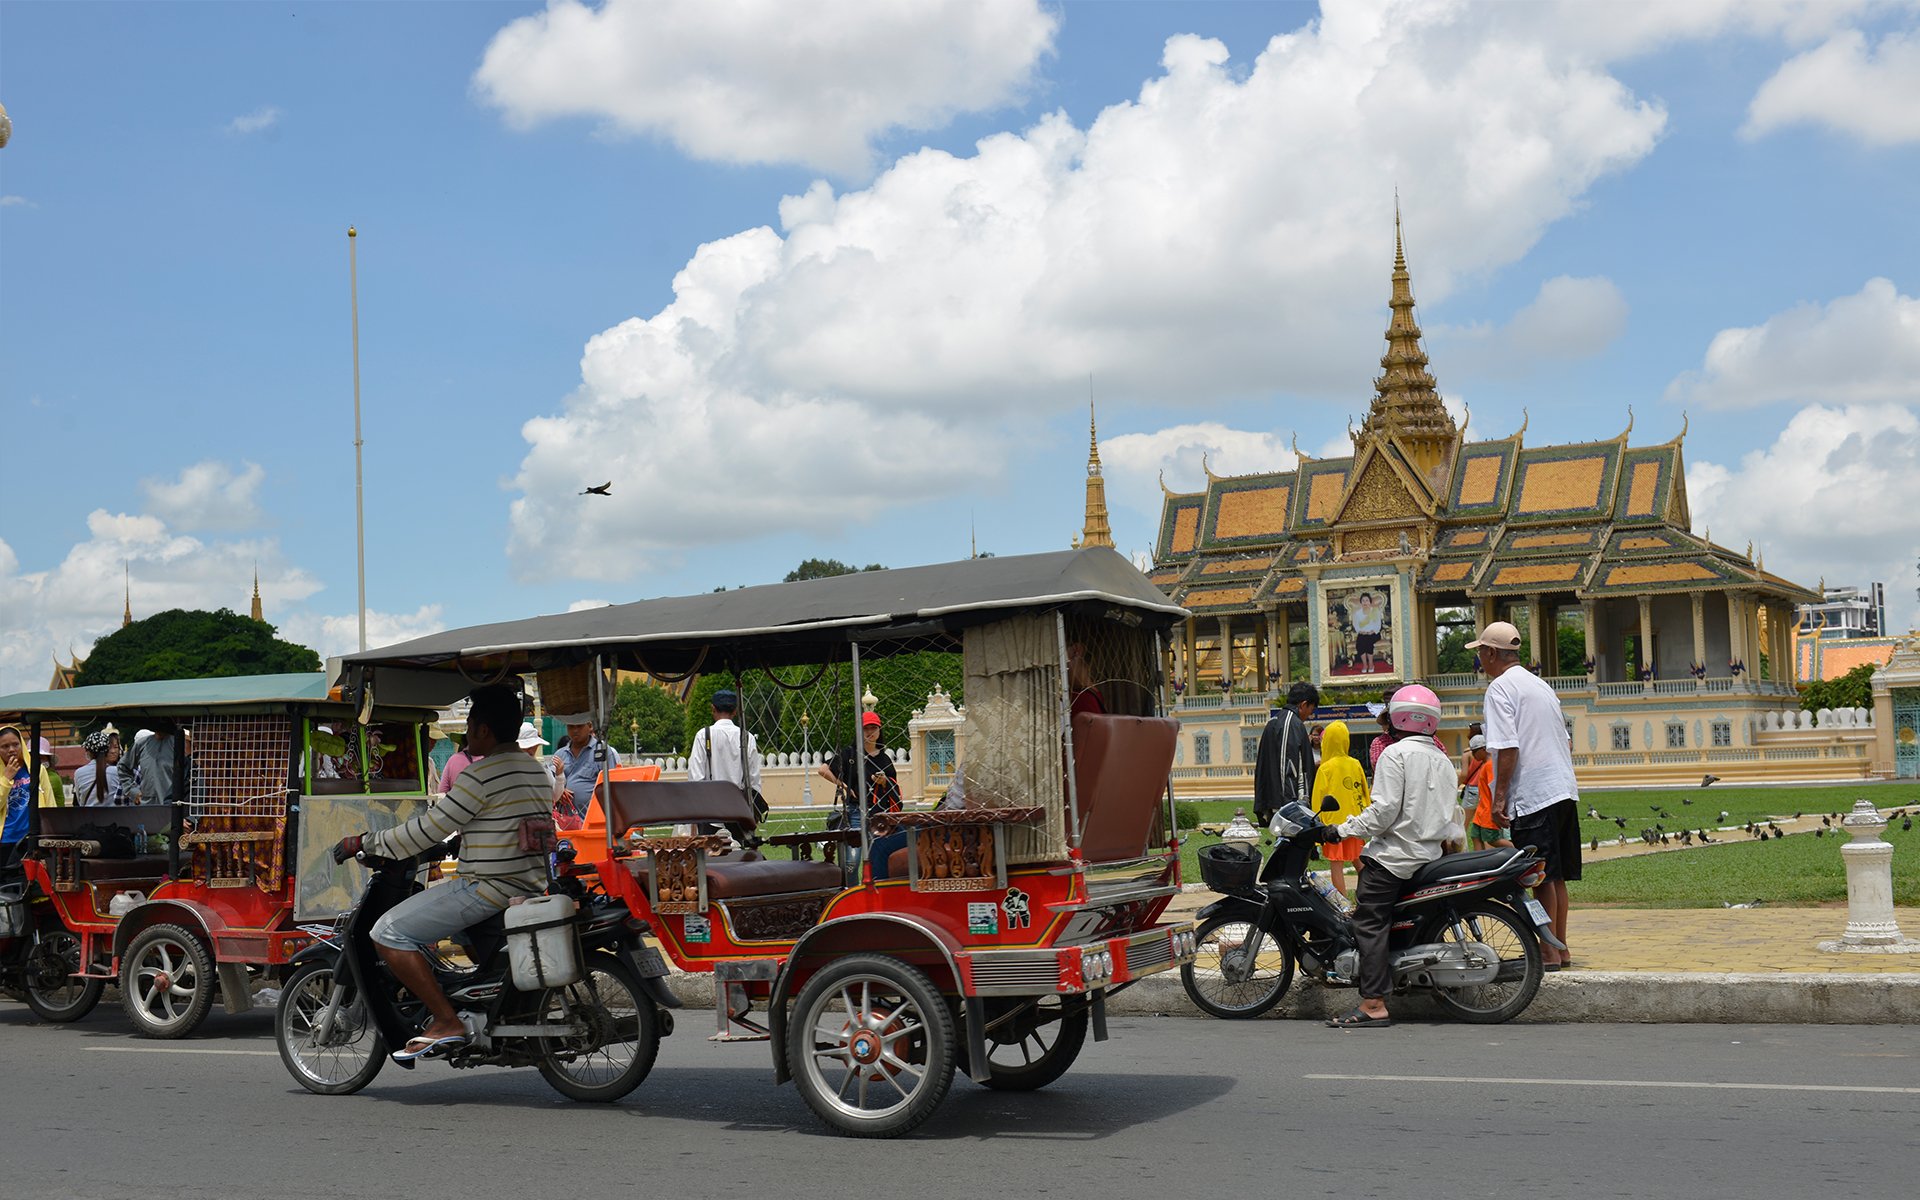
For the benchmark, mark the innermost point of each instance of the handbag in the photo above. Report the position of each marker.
(538, 835)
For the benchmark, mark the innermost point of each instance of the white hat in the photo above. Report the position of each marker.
(1477, 742)
(529, 736)
(1500, 635)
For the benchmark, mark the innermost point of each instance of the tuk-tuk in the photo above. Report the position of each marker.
(985, 931)
(202, 893)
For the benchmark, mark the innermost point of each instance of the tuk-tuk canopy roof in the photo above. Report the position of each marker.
(779, 624)
(182, 698)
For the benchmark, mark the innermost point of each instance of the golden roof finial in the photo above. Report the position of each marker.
(1521, 432)
(1165, 491)
(1466, 418)
(1406, 405)
(1629, 428)
(1093, 441)
(1096, 529)
(257, 614)
(126, 577)
(1685, 424)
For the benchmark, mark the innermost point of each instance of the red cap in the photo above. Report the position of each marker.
(872, 718)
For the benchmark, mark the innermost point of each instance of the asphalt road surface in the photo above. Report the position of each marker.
(1170, 1107)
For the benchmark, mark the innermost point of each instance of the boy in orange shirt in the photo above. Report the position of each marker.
(1482, 833)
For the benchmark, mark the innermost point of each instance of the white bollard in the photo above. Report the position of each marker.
(1871, 928)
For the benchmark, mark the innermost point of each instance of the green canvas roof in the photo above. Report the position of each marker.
(172, 697)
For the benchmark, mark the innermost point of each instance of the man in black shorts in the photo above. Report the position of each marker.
(1533, 786)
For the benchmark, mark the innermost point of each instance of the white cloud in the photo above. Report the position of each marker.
(1568, 319)
(1833, 497)
(336, 634)
(207, 495)
(1227, 233)
(1868, 90)
(258, 121)
(68, 606)
(1136, 463)
(16, 202)
(766, 81)
(584, 605)
(1857, 349)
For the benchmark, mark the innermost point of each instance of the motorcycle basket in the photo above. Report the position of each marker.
(1229, 866)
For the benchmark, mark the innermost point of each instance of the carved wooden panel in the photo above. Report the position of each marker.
(1379, 495)
(776, 920)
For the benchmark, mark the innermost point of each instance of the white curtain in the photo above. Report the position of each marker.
(1014, 751)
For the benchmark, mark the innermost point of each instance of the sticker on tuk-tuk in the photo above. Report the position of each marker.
(983, 918)
(1019, 909)
(698, 928)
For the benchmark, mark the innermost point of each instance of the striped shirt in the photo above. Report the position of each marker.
(488, 802)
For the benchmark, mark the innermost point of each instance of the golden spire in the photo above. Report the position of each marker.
(256, 593)
(1096, 531)
(1406, 406)
(126, 612)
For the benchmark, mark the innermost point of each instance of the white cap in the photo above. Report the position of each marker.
(1477, 742)
(529, 736)
(1500, 635)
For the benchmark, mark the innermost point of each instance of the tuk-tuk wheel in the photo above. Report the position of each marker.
(54, 993)
(166, 982)
(1031, 1043)
(871, 1046)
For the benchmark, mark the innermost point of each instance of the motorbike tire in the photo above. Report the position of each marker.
(51, 990)
(615, 1005)
(1039, 1060)
(177, 956)
(864, 1022)
(1210, 990)
(356, 1061)
(1511, 936)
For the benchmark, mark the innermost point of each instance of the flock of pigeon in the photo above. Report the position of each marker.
(1659, 835)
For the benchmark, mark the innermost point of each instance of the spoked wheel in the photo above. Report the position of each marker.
(1032, 1043)
(1510, 937)
(166, 982)
(871, 1046)
(1238, 971)
(339, 1059)
(55, 991)
(616, 1033)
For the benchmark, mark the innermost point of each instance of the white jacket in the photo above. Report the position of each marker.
(1413, 802)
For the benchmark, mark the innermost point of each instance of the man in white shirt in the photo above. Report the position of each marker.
(1533, 785)
(716, 749)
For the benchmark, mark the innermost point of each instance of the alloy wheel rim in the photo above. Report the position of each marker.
(862, 1052)
(163, 974)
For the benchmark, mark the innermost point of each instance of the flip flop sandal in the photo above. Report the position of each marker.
(424, 1047)
(1359, 1020)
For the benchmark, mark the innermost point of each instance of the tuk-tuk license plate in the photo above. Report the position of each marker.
(1538, 912)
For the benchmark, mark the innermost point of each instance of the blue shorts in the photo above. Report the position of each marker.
(428, 917)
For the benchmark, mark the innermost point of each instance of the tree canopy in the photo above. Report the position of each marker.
(192, 644)
(1852, 690)
(826, 568)
(649, 714)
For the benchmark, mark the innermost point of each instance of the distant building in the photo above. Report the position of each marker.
(1847, 612)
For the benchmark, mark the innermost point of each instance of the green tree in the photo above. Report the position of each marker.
(826, 568)
(1573, 650)
(192, 644)
(651, 714)
(1852, 690)
(1452, 656)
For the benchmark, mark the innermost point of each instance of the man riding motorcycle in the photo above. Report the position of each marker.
(494, 806)
(1413, 802)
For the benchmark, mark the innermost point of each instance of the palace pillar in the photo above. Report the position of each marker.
(1226, 651)
(1535, 607)
(1276, 663)
(1646, 637)
(1755, 638)
(1283, 626)
(1736, 630)
(1190, 673)
(1699, 634)
(1587, 608)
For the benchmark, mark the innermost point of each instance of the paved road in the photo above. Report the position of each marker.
(1171, 1107)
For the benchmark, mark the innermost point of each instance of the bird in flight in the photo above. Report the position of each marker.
(1707, 781)
(605, 489)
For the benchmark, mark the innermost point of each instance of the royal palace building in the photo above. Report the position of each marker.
(1672, 656)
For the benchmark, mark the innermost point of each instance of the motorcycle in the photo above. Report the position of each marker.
(40, 962)
(341, 1009)
(1464, 928)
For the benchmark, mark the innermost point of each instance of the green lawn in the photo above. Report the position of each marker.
(1797, 869)
(1641, 809)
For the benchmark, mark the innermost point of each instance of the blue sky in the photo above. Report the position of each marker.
(904, 235)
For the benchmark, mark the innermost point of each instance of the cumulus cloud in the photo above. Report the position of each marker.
(336, 634)
(207, 495)
(1568, 319)
(584, 605)
(1865, 89)
(68, 606)
(1136, 463)
(764, 81)
(16, 202)
(258, 121)
(1858, 349)
(1833, 496)
(1227, 232)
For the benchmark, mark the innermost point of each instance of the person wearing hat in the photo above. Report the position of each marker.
(579, 762)
(1477, 798)
(532, 744)
(882, 778)
(1534, 792)
(716, 751)
(97, 782)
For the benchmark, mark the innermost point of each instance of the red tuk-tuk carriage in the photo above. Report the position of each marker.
(203, 894)
(987, 932)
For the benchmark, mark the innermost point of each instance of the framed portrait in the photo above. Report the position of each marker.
(1358, 618)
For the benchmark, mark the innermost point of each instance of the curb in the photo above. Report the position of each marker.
(1643, 997)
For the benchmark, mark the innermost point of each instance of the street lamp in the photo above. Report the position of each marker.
(634, 726)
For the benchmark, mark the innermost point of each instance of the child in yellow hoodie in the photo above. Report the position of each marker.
(1339, 794)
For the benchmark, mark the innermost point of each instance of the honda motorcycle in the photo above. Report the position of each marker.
(1463, 929)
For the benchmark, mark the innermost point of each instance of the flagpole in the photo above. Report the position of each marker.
(359, 479)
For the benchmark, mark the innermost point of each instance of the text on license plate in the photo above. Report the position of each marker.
(1538, 912)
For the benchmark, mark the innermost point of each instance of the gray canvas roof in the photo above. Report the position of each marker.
(793, 622)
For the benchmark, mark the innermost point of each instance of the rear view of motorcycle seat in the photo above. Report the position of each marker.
(1464, 866)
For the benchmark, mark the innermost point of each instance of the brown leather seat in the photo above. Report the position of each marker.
(733, 876)
(1120, 769)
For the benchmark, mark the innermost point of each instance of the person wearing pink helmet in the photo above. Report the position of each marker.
(1413, 802)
